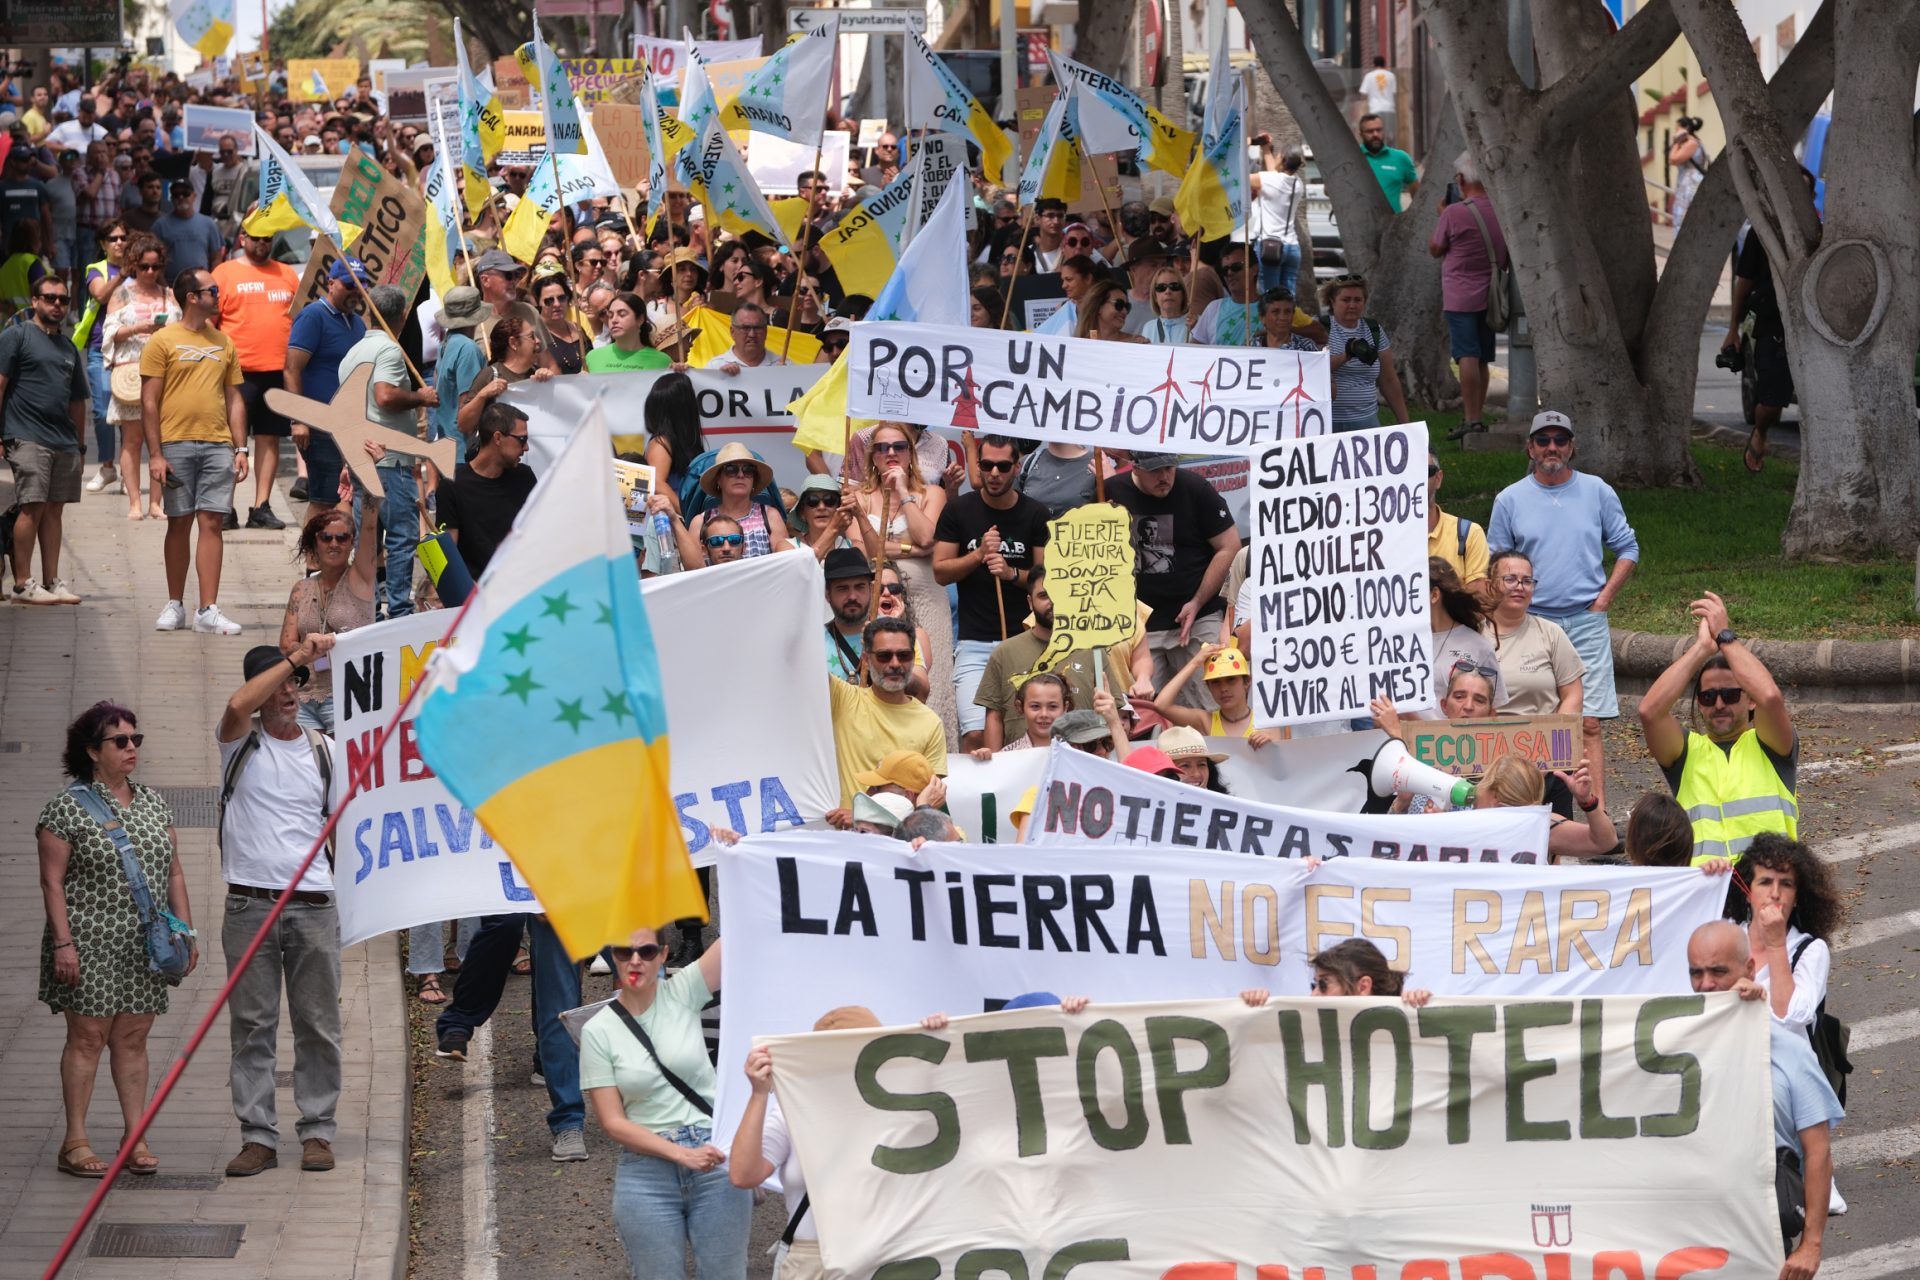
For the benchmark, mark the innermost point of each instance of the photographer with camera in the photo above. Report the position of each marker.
(1753, 293)
(1360, 356)
(1687, 157)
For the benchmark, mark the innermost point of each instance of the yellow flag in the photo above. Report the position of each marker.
(820, 415)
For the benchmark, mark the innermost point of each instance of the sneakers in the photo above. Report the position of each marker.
(172, 618)
(538, 1076)
(31, 592)
(229, 522)
(62, 593)
(105, 480)
(316, 1156)
(254, 1157)
(210, 621)
(453, 1044)
(299, 490)
(569, 1144)
(263, 518)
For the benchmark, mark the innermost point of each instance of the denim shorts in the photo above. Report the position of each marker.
(1592, 639)
(1471, 336)
(202, 477)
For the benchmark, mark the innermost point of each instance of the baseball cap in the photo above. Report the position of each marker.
(1151, 760)
(846, 562)
(1227, 663)
(1550, 418)
(497, 260)
(1163, 206)
(1031, 1000)
(907, 769)
(1080, 727)
(344, 270)
(263, 657)
(883, 810)
(1155, 461)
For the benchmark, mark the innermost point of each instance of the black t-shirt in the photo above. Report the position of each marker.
(1023, 527)
(45, 378)
(1765, 306)
(1172, 540)
(481, 511)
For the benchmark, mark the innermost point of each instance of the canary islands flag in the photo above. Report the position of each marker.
(938, 93)
(1212, 199)
(787, 96)
(1112, 117)
(1052, 170)
(443, 216)
(559, 110)
(483, 128)
(207, 25)
(288, 199)
(544, 714)
(721, 182)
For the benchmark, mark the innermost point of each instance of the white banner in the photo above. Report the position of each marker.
(1340, 576)
(1086, 800)
(981, 794)
(410, 853)
(1310, 770)
(1489, 1140)
(750, 406)
(777, 164)
(1213, 400)
(818, 919)
(939, 156)
(668, 58)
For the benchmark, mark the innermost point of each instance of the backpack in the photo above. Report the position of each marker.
(694, 499)
(230, 778)
(1830, 1037)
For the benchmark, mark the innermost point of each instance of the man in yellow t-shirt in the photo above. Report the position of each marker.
(869, 723)
(196, 429)
(1467, 555)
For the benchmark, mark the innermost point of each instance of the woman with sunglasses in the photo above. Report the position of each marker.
(754, 282)
(809, 311)
(644, 1070)
(1169, 324)
(1352, 968)
(734, 482)
(93, 963)
(100, 279)
(336, 593)
(1539, 667)
(1359, 353)
(819, 519)
(630, 347)
(1104, 309)
(897, 513)
(141, 305)
(563, 339)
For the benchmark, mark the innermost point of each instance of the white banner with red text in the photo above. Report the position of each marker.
(1204, 1140)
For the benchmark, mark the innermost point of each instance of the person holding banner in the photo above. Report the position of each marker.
(630, 348)
(1352, 968)
(1188, 751)
(1278, 316)
(1105, 314)
(335, 594)
(1168, 325)
(645, 1071)
(1233, 320)
(1042, 698)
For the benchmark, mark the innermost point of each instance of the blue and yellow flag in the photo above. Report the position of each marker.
(547, 80)
(483, 129)
(788, 96)
(1212, 199)
(720, 181)
(667, 138)
(443, 232)
(1112, 117)
(544, 713)
(943, 105)
(527, 225)
(1052, 171)
(206, 25)
(697, 104)
(288, 199)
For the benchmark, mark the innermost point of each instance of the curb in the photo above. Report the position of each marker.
(1871, 671)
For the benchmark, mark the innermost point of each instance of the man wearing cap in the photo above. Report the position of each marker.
(1186, 540)
(393, 402)
(499, 277)
(997, 693)
(193, 239)
(461, 363)
(749, 343)
(849, 589)
(277, 788)
(870, 722)
(254, 294)
(323, 333)
(1565, 521)
(1161, 220)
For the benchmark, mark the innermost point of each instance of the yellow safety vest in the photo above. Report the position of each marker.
(1733, 796)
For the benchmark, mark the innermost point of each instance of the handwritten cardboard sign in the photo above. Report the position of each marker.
(1468, 748)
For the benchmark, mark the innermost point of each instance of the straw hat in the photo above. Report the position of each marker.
(1182, 743)
(734, 451)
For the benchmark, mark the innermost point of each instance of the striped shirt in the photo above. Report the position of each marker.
(1356, 386)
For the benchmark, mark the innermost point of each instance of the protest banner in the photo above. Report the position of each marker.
(525, 139)
(871, 129)
(750, 407)
(1314, 766)
(1629, 1137)
(1090, 579)
(1340, 576)
(1086, 800)
(410, 853)
(406, 90)
(595, 80)
(776, 164)
(1468, 748)
(206, 126)
(510, 84)
(322, 253)
(623, 134)
(391, 217)
(1219, 401)
(668, 58)
(937, 158)
(981, 794)
(321, 79)
(820, 919)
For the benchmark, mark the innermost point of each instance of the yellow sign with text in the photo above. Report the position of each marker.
(321, 79)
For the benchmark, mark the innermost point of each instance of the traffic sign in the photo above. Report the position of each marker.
(860, 22)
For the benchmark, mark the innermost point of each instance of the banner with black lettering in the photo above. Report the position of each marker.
(409, 853)
(1178, 399)
(1203, 1140)
(821, 919)
(1086, 800)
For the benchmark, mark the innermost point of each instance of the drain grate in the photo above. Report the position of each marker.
(197, 807)
(169, 1182)
(13, 748)
(167, 1240)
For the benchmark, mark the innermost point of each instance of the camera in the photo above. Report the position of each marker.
(1733, 360)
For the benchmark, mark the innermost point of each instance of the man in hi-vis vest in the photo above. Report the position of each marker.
(1735, 779)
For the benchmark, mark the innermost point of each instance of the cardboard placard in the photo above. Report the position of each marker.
(406, 90)
(1103, 173)
(313, 279)
(526, 139)
(206, 126)
(392, 217)
(321, 79)
(623, 135)
(510, 83)
(596, 80)
(636, 486)
(1468, 748)
(1090, 576)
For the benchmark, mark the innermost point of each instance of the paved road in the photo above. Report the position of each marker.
(1862, 808)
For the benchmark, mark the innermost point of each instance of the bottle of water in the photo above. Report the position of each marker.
(663, 538)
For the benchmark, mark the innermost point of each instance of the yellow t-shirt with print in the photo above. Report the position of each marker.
(195, 369)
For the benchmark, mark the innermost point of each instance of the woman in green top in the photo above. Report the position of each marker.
(645, 1071)
(632, 346)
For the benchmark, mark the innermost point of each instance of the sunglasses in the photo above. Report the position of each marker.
(1322, 986)
(59, 299)
(647, 951)
(115, 239)
(820, 500)
(892, 589)
(1553, 439)
(122, 740)
(891, 446)
(337, 539)
(1170, 286)
(1478, 669)
(893, 657)
(519, 440)
(595, 262)
(1432, 470)
(834, 344)
(1232, 267)
(1073, 243)
(734, 469)
(1719, 697)
(996, 464)
(1103, 746)
(718, 540)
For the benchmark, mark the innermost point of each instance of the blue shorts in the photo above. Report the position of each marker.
(1592, 639)
(1470, 335)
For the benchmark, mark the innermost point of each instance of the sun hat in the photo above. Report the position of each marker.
(820, 484)
(734, 451)
(1182, 743)
(264, 657)
(463, 309)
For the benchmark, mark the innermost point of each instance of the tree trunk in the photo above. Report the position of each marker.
(1389, 248)
(1848, 292)
(1100, 36)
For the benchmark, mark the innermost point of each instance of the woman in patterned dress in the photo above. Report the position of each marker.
(93, 961)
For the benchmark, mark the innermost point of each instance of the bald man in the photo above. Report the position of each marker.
(1804, 1105)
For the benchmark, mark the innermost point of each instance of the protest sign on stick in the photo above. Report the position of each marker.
(392, 221)
(1339, 568)
(1090, 579)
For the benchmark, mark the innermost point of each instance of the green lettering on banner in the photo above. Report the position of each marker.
(945, 1143)
(1084, 1251)
(1109, 1034)
(1594, 1120)
(1021, 1050)
(909, 1269)
(975, 1263)
(1522, 1070)
(1325, 1074)
(1458, 1026)
(1685, 1118)
(1365, 1024)
(1169, 1081)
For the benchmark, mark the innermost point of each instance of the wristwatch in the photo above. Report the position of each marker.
(1726, 637)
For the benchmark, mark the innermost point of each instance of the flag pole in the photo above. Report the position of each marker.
(1113, 224)
(1026, 227)
(806, 223)
(679, 316)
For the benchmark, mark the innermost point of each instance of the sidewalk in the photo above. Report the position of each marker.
(54, 662)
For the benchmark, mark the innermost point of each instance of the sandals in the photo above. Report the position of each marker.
(143, 1163)
(1466, 429)
(430, 990)
(523, 963)
(90, 1167)
(1751, 458)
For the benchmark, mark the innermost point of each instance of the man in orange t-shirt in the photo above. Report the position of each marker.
(255, 292)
